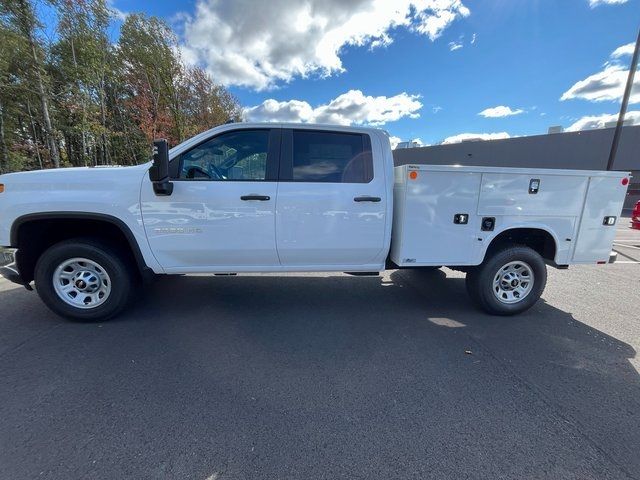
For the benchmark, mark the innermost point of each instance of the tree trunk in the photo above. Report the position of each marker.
(82, 104)
(68, 144)
(127, 137)
(4, 151)
(53, 146)
(35, 137)
(27, 24)
(103, 116)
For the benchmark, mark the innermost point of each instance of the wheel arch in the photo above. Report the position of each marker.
(46, 229)
(538, 237)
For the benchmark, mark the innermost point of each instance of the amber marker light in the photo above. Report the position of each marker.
(413, 175)
(1, 187)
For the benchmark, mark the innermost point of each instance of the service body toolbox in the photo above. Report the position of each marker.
(448, 215)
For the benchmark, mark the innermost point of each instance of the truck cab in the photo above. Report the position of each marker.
(256, 198)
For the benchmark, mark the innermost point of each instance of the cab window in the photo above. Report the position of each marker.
(233, 156)
(334, 157)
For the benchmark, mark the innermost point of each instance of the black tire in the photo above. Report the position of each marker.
(121, 278)
(480, 280)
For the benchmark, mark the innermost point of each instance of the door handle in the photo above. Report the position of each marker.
(262, 198)
(367, 199)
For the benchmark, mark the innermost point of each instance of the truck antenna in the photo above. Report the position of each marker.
(625, 103)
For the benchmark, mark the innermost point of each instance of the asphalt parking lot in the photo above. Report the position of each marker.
(327, 376)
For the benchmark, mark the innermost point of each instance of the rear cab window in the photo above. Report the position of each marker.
(326, 156)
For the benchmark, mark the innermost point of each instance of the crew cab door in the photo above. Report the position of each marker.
(221, 214)
(331, 201)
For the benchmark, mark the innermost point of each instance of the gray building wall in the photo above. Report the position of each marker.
(586, 150)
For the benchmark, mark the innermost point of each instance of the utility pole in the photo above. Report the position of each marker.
(625, 103)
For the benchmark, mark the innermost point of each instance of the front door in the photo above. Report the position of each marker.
(221, 215)
(331, 206)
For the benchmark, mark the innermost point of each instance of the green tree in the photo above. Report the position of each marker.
(20, 14)
(81, 60)
(20, 132)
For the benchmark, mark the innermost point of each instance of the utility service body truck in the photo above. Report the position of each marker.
(292, 198)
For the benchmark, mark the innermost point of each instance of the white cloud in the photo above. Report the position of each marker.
(623, 50)
(394, 141)
(600, 121)
(116, 12)
(473, 39)
(500, 111)
(607, 85)
(436, 109)
(595, 3)
(468, 137)
(273, 111)
(453, 46)
(352, 107)
(259, 44)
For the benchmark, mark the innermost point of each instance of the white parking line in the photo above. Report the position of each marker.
(624, 245)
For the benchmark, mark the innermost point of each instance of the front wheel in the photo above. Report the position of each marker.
(84, 279)
(509, 281)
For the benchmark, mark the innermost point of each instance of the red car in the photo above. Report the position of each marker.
(635, 217)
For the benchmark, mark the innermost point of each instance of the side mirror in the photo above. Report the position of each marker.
(159, 171)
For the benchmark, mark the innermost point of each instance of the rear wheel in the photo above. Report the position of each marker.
(509, 281)
(84, 279)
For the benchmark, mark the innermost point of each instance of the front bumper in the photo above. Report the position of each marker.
(8, 266)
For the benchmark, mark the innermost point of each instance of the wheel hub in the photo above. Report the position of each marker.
(510, 280)
(86, 281)
(82, 283)
(513, 282)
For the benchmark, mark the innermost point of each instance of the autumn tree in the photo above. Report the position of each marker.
(152, 69)
(89, 96)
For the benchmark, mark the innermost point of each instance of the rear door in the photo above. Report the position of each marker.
(332, 201)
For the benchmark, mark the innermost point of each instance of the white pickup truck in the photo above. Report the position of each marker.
(292, 198)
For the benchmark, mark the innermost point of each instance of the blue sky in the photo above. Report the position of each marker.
(425, 70)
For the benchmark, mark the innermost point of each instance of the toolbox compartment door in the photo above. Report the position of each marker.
(430, 234)
(605, 197)
(512, 194)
